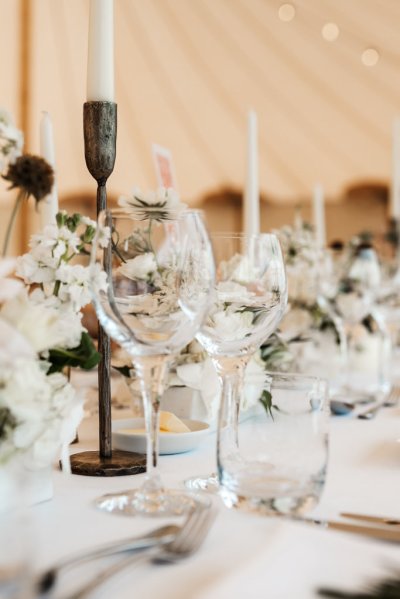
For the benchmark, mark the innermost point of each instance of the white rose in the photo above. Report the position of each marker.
(141, 267)
(13, 344)
(229, 291)
(232, 325)
(45, 327)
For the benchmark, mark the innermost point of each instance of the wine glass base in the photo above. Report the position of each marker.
(162, 503)
(208, 484)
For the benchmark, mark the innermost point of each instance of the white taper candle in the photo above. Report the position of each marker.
(48, 206)
(319, 215)
(395, 187)
(100, 73)
(252, 193)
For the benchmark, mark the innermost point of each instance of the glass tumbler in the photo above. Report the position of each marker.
(279, 464)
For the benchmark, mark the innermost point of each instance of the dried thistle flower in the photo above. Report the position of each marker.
(31, 174)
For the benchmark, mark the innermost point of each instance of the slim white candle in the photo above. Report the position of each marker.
(100, 73)
(395, 187)
(252, 194)
(48, 207)
(319, 215)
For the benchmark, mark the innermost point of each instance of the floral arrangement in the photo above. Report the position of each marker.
(41, 332)
(304, 266)
(38, 411)
(11, 141)
(30, 174)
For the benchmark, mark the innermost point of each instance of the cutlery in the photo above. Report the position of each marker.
(185, 543)
(392, 399)
(383, 533)
(366, 518)
(341, 407)
(45, 581)
(371, 412)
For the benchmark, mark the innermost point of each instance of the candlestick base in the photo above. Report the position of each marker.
(121, 463)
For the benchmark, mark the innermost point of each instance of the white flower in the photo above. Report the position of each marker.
(98, 279)
(44, 412)
(11, 140)
(230, 326)
(104, 235)
(31, 271)
(85, 220)
(240, 269)
(141, 267)
(153, 204)
(75, 281)
(228, 291)
(45, 327)
(9, 288)
(13, 344)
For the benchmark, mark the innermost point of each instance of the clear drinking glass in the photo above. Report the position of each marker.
(160, 272)
(349, 294)
(279, 465)
(249, 300)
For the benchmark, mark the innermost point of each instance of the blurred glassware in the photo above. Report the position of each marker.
(249, 300)
(279, 465)
(15, 535)
(160, 273)
(349, 292)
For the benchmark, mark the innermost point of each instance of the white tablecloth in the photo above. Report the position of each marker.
(244, 555)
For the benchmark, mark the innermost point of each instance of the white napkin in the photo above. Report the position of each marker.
(300, 559)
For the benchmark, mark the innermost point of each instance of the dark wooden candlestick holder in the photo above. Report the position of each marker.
(100, 135)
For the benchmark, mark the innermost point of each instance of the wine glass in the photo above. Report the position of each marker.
(249, 300)
(348, 294)
(160, 272)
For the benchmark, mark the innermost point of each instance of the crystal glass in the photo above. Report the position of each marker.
(160, 272)
(279, 465)
(249, 300)
(348, 293)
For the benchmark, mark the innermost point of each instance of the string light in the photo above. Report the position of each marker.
(370, 57)
(287, 12)
(330, 32)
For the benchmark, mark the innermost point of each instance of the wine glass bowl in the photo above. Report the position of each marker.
(248, 302)
(250, 294)
(348, 294)
(160, 273)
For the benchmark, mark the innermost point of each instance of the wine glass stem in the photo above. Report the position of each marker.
(345, 333)
(152, 372)
(231, 374)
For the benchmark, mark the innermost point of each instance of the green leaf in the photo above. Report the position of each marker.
(266, 400)
(83, 356)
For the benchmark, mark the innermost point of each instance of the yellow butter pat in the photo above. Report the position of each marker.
(172, 424)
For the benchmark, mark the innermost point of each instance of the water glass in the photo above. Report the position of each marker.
(279, 464)
(15, 542)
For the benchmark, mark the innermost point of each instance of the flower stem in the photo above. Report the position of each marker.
(18, 202)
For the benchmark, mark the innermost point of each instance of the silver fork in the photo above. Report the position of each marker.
(186, 542)
(390, 401)
(393, 398)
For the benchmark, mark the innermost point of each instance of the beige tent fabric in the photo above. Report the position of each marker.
(187, 71)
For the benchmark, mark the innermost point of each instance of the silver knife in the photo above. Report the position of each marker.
(377, 519)
(377, 532)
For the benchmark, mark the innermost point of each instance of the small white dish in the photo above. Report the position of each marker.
(169, 443)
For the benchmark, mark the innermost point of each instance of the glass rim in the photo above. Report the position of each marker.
(236, 235)
(268, 374)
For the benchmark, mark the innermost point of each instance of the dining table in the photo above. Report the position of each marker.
(244, 554)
